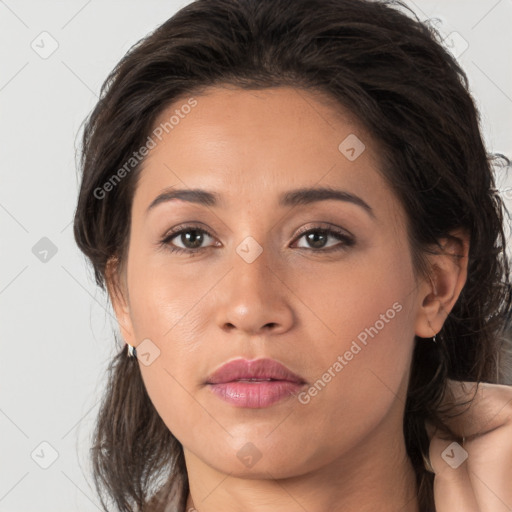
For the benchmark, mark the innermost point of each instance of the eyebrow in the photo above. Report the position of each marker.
(296, 197)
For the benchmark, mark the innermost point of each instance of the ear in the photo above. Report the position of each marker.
(118, 293)
(439, 293)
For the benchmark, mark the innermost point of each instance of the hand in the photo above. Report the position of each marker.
(475, 475)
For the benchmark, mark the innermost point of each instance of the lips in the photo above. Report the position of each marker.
(254, 384)
(253, 371)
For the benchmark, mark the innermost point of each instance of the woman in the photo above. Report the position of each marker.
(296, 219)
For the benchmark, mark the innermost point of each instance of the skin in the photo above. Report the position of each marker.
(344, 450)
(478, 473)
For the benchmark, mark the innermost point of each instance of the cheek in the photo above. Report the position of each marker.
(166, 308)
(366, 335)
(163, 299)
(366, 297)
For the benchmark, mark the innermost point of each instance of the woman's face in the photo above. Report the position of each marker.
(339, 309)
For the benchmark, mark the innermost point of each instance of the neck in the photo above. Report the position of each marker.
(375, 475)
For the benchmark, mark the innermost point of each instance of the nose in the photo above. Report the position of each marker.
(254, 298)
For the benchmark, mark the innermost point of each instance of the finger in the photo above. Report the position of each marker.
(474, 410)
(490, 470)
(477, 474)
(452, 485)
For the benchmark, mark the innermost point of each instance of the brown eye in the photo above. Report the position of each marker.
(191, 238)
(317, 239)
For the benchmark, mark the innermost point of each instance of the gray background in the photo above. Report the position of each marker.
(56, 326)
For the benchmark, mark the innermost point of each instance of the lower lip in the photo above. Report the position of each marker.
(257, 394)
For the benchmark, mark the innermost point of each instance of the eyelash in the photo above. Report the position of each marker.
(347, 240)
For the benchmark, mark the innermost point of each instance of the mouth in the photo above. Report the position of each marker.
(254, 384)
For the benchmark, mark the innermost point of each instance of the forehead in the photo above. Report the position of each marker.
(258, 143)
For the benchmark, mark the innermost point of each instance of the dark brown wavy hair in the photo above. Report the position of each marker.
(375, 59)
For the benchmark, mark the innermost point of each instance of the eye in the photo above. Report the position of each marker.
(318, 236)
(191, 237)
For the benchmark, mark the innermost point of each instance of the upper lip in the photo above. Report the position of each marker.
(244, 369)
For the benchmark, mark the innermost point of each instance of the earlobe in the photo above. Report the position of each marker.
(118, 297)
(439, 293)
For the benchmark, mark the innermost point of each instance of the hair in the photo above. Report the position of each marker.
(390, 71)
